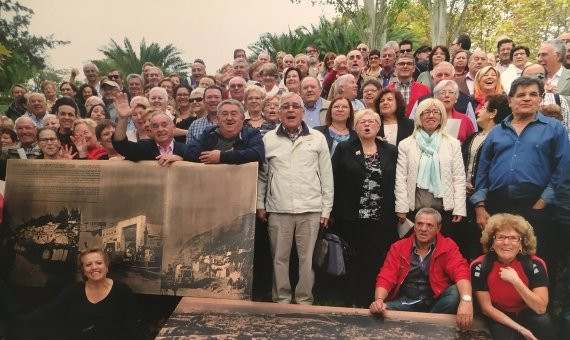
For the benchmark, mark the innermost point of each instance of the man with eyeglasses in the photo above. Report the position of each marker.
(237, 88)
(295, 196)
(425, 272)
(406, 46)
(520, 166)
(538, 71)
(212, 97)
(229, 142)
(363, 49)
(410, 89)
(115, 75)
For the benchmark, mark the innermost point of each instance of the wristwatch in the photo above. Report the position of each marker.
(466, 298)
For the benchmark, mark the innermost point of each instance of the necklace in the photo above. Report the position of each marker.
(256, 120)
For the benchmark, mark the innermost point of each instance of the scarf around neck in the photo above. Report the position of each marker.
(428, 174)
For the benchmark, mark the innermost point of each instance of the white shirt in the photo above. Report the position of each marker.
(556, 77)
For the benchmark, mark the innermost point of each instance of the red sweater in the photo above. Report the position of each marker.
(418, 90)
(447, 266)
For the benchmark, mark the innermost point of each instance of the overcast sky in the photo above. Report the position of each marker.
(207, 29)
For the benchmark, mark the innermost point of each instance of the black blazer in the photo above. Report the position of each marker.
(325, 131)
(144, 149)
(405, 129)
(349, 173)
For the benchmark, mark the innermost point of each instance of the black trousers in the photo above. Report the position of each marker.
(369, 241)
(540, 325)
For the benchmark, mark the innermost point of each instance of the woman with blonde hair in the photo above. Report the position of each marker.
(430, 170)
(510, 282)
(253, 99)
(85, 140)
(364, 171)
(487, 82)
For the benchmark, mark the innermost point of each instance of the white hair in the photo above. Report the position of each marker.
(341, 81)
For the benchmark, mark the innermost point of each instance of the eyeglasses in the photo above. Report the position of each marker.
(362, 49)
(446, 93)
(405, 63)
(407, 50)
(367, 121)
(431, 113)
(287, 106)
(195, 100)
(504, 238)
(374, 57)
(113, 76)
(236, 86)
(48, 139)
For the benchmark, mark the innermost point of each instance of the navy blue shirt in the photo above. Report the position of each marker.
(522, 166)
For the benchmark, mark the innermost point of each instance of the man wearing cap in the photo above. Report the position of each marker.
(162, 147)
(422, 60)
(109, 90)
(229, 142)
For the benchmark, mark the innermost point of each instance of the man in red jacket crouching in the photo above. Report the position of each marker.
(425, 273)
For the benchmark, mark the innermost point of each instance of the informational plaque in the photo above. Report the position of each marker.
(186, 229)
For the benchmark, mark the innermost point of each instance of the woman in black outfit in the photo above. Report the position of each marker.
(364, 172)
(391, 107)
(97, 308)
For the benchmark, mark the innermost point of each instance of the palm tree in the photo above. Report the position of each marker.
(125, 58)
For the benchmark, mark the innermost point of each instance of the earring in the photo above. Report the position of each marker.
(491, 249)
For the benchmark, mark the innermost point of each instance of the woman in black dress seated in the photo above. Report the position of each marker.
(364, 171)
(97, 308)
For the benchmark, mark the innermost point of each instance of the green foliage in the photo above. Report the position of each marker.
(124, 58)
(27, 51)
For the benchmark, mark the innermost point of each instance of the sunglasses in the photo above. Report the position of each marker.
(195, 100)
(113, 76)
(408, 50)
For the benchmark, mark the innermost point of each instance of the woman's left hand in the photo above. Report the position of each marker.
(509, 274)
(456, 218)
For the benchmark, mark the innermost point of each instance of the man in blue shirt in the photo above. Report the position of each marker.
(521, 164)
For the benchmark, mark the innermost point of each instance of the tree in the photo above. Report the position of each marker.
(446, 19)
(28, 52)
(125, 58)
(371, 19)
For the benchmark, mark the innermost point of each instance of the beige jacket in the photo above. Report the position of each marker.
(296, 177)
(451, 169)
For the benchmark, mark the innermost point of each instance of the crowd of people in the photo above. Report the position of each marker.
(471, 148)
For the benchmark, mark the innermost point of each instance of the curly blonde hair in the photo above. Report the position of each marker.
(503, 222)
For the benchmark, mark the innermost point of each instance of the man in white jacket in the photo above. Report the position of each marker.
(295, 195)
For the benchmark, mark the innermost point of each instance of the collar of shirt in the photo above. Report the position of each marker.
(316, 107)
(404, 84)
(538, 117)
(431, 246)
(387, 75)
(556, 76)
(166, 150)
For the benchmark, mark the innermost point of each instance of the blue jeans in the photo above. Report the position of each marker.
(446, 303)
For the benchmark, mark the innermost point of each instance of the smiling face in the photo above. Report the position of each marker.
(26, 131)
(430, 119)
(477, 62)
(388, 104)
(6, 141)
(198, 71)
(350, 88)
(87, 92)
(448, 97)
(310, 90)
(488, 82)
(158, 100)
(507, 244)
(387, 59)
(253, 102)
(341, 65)
(340, 111)
(505, 52)
(37, 105)
(162, 129)
(106, 136)
(49, 143)
(83, 131)
(51, 122)
(91, 73)
(237, 88)
(292, 81)
(438, 56)
(369, 93)
(405, 68)
(66, 115)
(288, 61)
(291, 112)
(94, 267)
(212, 97)
(230, 120)
(182, 97)
(520, 58)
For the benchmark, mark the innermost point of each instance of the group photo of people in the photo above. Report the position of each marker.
(445, 170)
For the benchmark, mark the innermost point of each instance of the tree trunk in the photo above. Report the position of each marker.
(438, 22)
